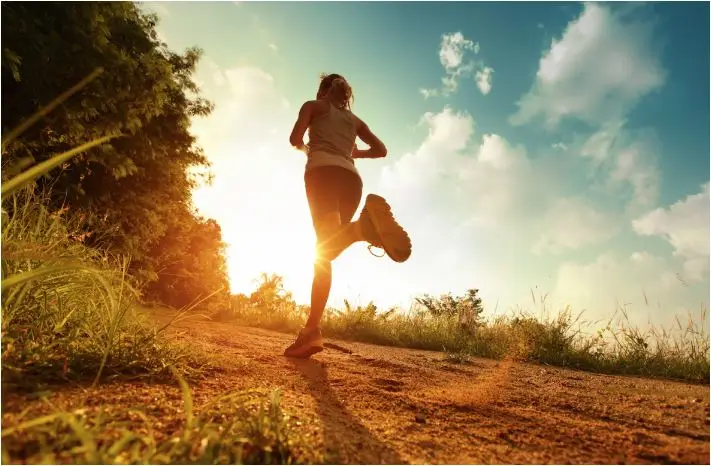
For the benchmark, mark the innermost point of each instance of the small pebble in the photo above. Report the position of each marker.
(420, 418)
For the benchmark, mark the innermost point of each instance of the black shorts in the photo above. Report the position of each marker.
(332, 189)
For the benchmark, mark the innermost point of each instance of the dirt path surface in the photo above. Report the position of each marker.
(390, 405)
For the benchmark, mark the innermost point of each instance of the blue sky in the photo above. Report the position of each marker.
(560, 147)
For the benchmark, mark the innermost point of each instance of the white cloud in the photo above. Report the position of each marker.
(496, 152)
(448, 131)
(487, 183)
(214, 71)
(599, 146)
(635, 168)
(410, 179)
(273, 47)
(627, 161)
(644, 285)
(483, 79)
(685, 225)
(572, 223)
(496, 205)
(560, 146)
(601, 66)
(454, 47)
(427, 93)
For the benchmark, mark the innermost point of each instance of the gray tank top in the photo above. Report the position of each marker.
(332, 138)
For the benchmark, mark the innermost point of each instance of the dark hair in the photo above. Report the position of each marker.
(337, 88)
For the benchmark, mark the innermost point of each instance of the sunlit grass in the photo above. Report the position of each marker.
(617, 348)
(68, 311)
(246, 427)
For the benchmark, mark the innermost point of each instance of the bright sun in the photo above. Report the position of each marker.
(287, 253)
(263, 234)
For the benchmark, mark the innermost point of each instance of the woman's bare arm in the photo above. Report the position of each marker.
(376, 147)
(302, 124)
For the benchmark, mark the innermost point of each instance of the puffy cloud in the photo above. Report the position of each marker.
(601, 66)
(483, 79)
(421, 179)
(427, 93)
(685, 225)
(627, 161)
(571, 223)
(635, 168)
(454, 47)
(646, 286)
(496, 205)
(487, 183)
(496, 152)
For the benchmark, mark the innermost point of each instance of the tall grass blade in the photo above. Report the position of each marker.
(29, 175)
(22, 127)
(187, 400)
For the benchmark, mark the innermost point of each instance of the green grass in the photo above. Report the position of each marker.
(70, 312)
(619, 348)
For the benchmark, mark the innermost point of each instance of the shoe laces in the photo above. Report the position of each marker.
(370, 250)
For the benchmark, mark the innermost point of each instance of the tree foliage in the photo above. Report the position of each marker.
(190, 261)
(270, 292)
(467, 307)
(135, 192)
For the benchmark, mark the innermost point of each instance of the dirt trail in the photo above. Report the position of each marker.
(390, 405)
(394, 405)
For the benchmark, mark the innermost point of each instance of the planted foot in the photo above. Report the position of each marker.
(307, 343)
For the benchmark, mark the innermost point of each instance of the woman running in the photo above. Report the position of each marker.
(334, 190)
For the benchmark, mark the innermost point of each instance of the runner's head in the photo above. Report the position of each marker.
(335, 88)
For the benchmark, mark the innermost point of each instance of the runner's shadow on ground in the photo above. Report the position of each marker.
(346, 439)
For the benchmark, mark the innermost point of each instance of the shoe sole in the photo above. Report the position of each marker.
(305, 353)
(395, 239)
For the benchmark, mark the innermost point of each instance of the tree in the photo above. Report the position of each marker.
(49, 47)
(134, 192)
(270, 292)
(190, 265)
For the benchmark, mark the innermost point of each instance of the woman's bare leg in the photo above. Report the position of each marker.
(320, 289)
(337, 239)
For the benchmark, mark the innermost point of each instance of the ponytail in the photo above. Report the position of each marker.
(337, 89)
